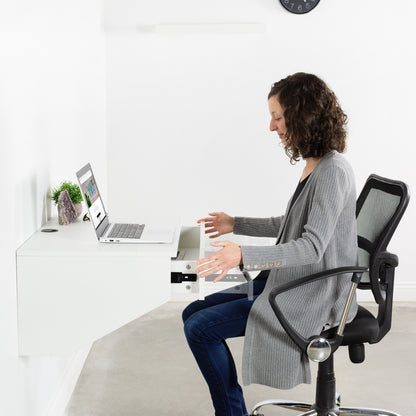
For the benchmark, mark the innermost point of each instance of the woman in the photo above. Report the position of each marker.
(317, 232)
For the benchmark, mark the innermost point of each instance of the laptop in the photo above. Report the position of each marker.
(116, 233)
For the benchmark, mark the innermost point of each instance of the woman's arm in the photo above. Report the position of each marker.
(332, 191)
(230, 255)
(328, 202)
(220, 223)
(257, 227)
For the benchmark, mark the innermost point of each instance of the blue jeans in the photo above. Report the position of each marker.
(207, 324)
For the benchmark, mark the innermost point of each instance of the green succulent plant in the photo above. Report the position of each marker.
(73, 190)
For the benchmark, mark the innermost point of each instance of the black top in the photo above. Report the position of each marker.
(298, 190)
(264, 274)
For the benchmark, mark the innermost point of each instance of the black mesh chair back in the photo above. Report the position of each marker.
(380, 208)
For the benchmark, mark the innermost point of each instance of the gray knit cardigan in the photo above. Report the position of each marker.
(319, 232)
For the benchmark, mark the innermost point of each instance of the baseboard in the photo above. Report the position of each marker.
(59, 401)
(402, 293)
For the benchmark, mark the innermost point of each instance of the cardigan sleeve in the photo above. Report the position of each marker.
(257, 227)
(327, 201)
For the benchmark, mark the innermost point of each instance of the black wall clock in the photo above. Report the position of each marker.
(299, 6)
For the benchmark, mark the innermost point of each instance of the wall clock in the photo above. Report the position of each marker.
(299, 6)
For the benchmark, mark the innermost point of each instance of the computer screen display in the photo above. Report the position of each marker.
(92, 198)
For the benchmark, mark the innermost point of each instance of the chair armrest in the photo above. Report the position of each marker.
(388, 258)
(383, 261)
(382, 285)
(297, 338)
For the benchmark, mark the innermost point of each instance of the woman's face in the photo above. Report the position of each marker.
(277, 123)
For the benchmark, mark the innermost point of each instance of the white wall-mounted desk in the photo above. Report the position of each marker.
(73, 290)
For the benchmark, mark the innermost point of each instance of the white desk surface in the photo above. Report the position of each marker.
(79, 239)
(62, 309)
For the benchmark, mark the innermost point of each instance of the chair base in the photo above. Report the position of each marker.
(310, 410)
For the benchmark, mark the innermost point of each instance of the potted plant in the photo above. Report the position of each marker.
(74, 193)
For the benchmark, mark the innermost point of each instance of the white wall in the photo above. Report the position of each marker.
(187, 116)
(194, 98)
(52, 110)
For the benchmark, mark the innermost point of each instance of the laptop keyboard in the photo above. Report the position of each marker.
(126, 231)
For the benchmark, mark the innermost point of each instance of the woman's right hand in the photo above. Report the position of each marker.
(219, 223)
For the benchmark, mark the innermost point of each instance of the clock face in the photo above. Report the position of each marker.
(299, 6)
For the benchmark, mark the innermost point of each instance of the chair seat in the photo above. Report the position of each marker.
(363, 328)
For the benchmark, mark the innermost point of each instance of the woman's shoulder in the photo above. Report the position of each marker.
(335, 167)
(334, 161)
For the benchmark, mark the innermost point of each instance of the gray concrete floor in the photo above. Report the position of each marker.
(146, 368)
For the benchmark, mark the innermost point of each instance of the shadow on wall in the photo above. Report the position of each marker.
(32, 207)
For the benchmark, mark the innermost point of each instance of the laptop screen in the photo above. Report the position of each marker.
(91, 195)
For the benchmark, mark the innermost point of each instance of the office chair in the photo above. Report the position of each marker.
(380, 207)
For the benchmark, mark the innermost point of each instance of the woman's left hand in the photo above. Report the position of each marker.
(221, 261)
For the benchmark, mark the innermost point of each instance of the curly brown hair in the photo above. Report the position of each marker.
(315, 122)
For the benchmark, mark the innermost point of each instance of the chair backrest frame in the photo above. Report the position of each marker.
(381, 262)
